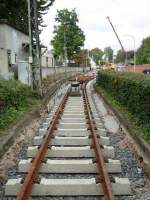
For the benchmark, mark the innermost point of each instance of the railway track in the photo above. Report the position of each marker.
(72, 141)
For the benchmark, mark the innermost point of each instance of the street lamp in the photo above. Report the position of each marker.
(133, 38)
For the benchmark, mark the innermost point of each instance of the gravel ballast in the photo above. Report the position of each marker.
(131, 167)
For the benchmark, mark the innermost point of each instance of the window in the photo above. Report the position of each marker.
(9, 57)
(46, 61)
(15, 58)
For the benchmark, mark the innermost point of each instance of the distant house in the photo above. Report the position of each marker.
(13, 48)
(47, 62)
(47, 59)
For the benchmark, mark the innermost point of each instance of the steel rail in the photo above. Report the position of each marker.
(106, 183)
(26, 188)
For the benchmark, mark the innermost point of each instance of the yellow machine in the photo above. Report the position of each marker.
(111, 66)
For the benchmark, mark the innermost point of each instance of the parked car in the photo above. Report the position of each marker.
(121, 67)
(146, 71)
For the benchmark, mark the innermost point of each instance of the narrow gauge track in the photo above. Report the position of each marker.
(72, 141)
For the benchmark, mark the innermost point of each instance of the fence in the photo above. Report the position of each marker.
(46, 71)
(24, 72)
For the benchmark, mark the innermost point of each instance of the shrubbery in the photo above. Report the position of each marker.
(131, 90)
(12, 94)
(15, 98)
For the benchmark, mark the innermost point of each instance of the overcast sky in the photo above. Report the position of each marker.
(130, 17)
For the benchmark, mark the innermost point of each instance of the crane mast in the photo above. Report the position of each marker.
(116, 35)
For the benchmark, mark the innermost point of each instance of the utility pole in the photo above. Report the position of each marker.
(30, 44)
(86, 59)
(38, 51)
(65, 54)
(34, 43)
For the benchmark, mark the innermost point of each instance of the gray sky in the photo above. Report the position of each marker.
(130, 17)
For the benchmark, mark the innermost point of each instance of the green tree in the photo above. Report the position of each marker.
(15, 12)
(120, 57)
(130, 57)
(108, 52)
(96, 54)
(143, 53)
(67, 31)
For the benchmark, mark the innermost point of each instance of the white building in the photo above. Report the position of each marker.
(48, 63)
(12, 48)
(47, 59)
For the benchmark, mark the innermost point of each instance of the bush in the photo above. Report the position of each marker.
(12, 94)
(131, 90)
(15, 99)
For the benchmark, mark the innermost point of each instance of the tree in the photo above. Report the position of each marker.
(96, 54)
(67, 32)
(16, 12)
(108, 52)
(143, 53)
(81, 58)
(130, 57)
(120, 57)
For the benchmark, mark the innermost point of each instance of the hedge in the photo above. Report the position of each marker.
(12, 94)
(15, 99)
(131, 90)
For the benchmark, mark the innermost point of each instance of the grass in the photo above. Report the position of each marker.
(143, 129)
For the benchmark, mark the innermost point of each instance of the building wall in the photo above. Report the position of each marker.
(3, 61)
(12, 52)
(11, 41)
(2, 36)
(138, 68)
(24, 72)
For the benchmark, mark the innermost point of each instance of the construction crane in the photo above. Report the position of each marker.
(122, 47)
